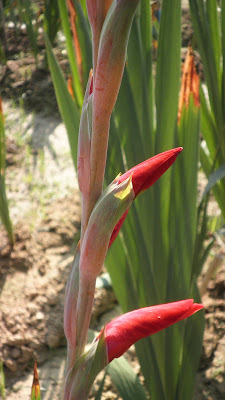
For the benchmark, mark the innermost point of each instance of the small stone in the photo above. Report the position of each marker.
(53, 340)
(40, 316)
(26, 354)
(15, 353)
(41, 356)
(32, 308)
(16, 340)
(52, 297)
(11, 365)
(42, 270)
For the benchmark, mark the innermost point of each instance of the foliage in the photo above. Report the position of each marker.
(2, 381)
(27, 15)
(52, 20)
(209, 29)
(4, 210)
(157, 248)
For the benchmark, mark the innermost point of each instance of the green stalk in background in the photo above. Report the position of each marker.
(52, 20)
(25, 8)
(209, 30)
(156, 249)
(4, 209)
(2, 380)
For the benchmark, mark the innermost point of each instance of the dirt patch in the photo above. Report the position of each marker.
(31, 308)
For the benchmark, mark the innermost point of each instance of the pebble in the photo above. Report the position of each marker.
(53, 340)
(15, 353)
(11, 365)
(40, 316)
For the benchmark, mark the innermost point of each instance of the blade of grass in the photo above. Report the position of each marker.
(126, 380)
(84, 35)
(67, 106)
(4, 209)
(213, 179)
(71, 54)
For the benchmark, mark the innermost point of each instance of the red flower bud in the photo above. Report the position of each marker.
(148, 172)
(145, 175)
(128, 328)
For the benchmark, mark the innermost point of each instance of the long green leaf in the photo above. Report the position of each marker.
(2, 380)
(126, 380)
(213, 179)
(193, 337)
(67, 106)
(4, 209)
(203, 25)
(100, 390)
(167, 74)
(223, 52)
(71, 54)
(218, 188)
(84, 36)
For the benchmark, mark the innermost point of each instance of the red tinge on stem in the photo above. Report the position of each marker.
(127, 329)
(144, 175)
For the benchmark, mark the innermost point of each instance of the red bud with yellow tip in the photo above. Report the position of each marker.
(144, 175)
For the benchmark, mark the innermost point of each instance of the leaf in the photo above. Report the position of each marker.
(2, 380)
(167, 74)
(4, 208)
(71, 54)
(213, 179)
(193, 337)
(100, 390)
(204, 24)
(67, 106)
(126, 380)
(84, 36)
(208, 166)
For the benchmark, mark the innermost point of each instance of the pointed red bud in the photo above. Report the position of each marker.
(127, 329)
(144, 175)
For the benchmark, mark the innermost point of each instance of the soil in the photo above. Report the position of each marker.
(45, 208)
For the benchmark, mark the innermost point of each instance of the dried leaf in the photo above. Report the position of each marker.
(35, 391)
(77, 47)
(189, 83)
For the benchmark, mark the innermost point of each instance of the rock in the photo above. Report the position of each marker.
(53, 340)
(26, 354)
(40, 316)
(15, 353)
(11, 365)
(52, 297)
(104, 301)
(32, 308)
(17, 340)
